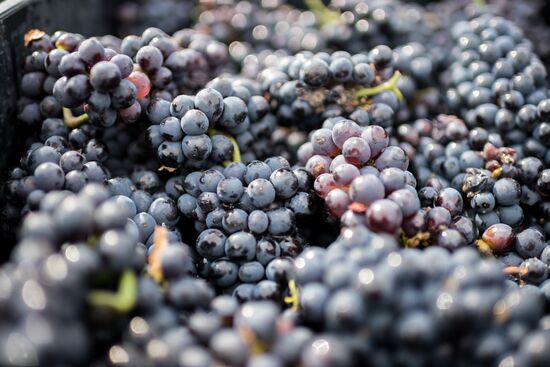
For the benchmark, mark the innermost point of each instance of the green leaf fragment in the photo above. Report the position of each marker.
(123, 300)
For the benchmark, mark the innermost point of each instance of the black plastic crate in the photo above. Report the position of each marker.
(88, 17)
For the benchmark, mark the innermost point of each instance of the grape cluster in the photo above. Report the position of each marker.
(356, 169)
(40, 73)
(250, 28)
(70, 158)
(60, 160)
(211, 128)
(529, 20)
(250, 219)
(193, 58)
(74, 248)
(102, 80)
(135, 17)
(496, 195)
(352, 25)
(365, 286)
(306, 86)
(496, 81)
(105, 80)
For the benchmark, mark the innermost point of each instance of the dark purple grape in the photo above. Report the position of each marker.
(384, 216)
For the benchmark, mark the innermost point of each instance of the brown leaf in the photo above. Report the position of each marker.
(33, 35)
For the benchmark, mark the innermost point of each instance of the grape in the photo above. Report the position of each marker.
(142, 83)
(356, 151)
(499, 237)
(323, 144)
(261, 192)
(344, 130)
(324, 183)
(196, 147)
(149, 58)
(318, 164)
(125, 65)
(105, 76)
(210, 102)
(392, 157)
(91, 51)
(384, 216)
(367, 189)
(194, 122)
(407, 200)
(337, 202)
(345, 173)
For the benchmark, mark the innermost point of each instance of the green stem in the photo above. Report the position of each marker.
(236, 150)
(72, 121)
(324, 14)
(390, 84)
(484, 247)
(294, 298)
(123, 300)
(480, 3)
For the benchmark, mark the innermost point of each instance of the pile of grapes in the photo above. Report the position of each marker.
(359, 183)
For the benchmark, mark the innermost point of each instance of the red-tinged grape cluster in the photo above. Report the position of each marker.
(364, 181)
(361, 177)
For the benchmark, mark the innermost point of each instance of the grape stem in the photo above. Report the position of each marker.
(236, 150)
(294, 298)
(516, 270)
(256, 346)
(92, 241)
(155, 258)
(167, 168)
(484, 248)
(390, 84)
(72, 121)
(496, 172)
(123, 300)
(416, 240)
(324, 14)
